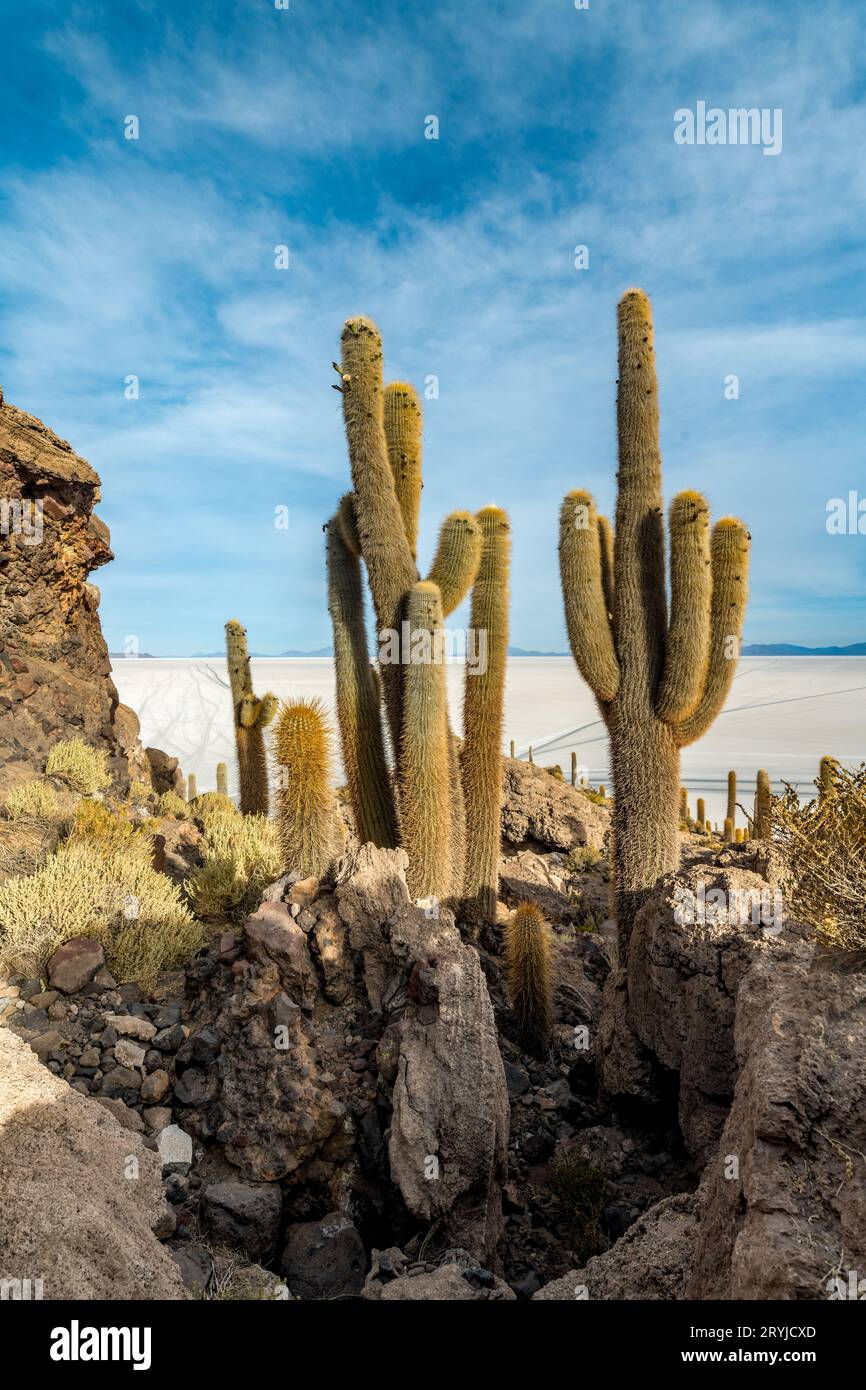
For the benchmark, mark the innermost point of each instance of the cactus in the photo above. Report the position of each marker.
(529, 753)
(763, 824)
(378, 523)
(528, 943)
(659, 684)
(222, 779)
(251, 717)
(511, 748)
(602, 790)
(738, 835)
(358, 699)
(729, 831)
(483, 711)
(731, 811)
(306, 807)
(701, 821)
(685, 819)
(827, 777)
(574, 769)
(191, 787)
(425, 752)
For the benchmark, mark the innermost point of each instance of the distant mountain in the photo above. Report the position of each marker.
(521, 651)
(786, 649)
(268, 656)
(127, 656)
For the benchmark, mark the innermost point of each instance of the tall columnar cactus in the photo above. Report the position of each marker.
(251, 718)
(378, 523)
(659, 684)
(528, 943)
(191, 787)
(731, 810)
(827, 777)
(306, 807)
(484, 709)
(425, 768)
(763, 807)
(222, 779)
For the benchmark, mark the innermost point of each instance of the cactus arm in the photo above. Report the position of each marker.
(358, 702)
(348, 525)
(483, 713)
(586, 615)
(268, 706)
(729, 550)
(688, 642)
(387, 554)
(605, 544)
(457, 558)
(640, 603)
(403, 422)
(425, 755)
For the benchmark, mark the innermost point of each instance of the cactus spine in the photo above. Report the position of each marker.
(484, 709)
(222, 779)
(306, 808)
(731, 810)
(763, 827)
(425, 753)
(251, 717)
(659, 686)
(528, 943)
(191, 787)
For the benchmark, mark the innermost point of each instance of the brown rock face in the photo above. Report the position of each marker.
(55, 679)
(540, 812)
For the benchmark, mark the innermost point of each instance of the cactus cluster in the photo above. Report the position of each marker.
(442, 801)
(659, 680)
(251, 717)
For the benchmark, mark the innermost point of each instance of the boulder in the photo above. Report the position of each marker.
(165, 772)
(449, 1283)
(541, 812)
(244, 1216)
(324, 1259)
(74, 964)
(651, 1261)
(71, 1215)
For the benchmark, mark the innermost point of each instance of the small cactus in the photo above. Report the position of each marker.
(306, 807)
(701, 821)
(251, 717)
(729, 831)
(827, 777)
(763, 826)
(738, 835)
(731, 810)
(528, 943)
(602, 790)
(222, 779)
(191, 787)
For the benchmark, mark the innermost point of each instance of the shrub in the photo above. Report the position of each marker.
(823, 844)
(211, 807)
(241, 856)
(107, 829)
(139, 792)
(36, 800)
(98, 890)
(82, 767)
(170, 804)
(579, 1187)
(582, 858)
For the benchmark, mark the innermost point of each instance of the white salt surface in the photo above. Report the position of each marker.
(783, 714)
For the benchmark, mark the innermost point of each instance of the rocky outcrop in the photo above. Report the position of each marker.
(457, 1278)
(80, 1196)
(349, 1041)
(55, 673)
(541, 812)
(651, 1261)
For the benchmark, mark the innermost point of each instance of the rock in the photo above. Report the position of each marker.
(74, 964)
(157, 1118)
(196, 1267)
(122, 1083)
(70, 1213)
(44, 999)
(55, 679)
(243, 1216)
(129, 1054)
(175, 1147)
(303, 892)
(154, 1087)
(324, 1259)
(131, 1026)
(165, 773)
(651, 1261)
(781, 1210)
(450, 1283)
(272, 934)
(335, 958)
(170, 1039)
(124, 1114)
(46, 1043)
(539, 811)
(193, 1088)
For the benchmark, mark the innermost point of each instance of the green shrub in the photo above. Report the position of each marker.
(211, 807)
(170, 804)
(108, 829)
(241, 856)
(99, 890)
(85, 769)
(36, 800)
(582, 858)
(579, 1187)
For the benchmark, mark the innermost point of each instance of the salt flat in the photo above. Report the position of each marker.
(783, 714)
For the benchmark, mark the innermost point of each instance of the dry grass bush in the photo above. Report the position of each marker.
(241, 856)
(83, 768)
(102, 889)
(824, 846)
(170, 804)
(211, 807)
(36, 800)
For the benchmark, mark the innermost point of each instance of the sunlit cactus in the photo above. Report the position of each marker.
(251, 717)
(307, 820)
(222, 779)
(763, 827)
(528, 946)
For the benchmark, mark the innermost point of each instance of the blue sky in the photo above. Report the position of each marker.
(305, 127)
